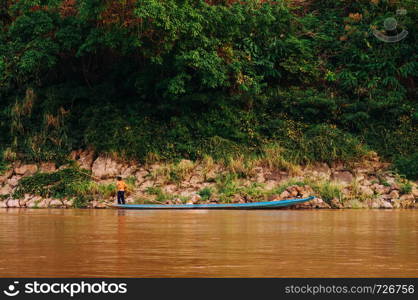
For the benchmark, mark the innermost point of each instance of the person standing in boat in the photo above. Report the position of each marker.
(121, 187)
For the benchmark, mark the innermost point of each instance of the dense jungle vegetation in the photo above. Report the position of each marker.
(171, 79)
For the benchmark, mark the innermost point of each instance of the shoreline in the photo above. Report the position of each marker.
(88, 182)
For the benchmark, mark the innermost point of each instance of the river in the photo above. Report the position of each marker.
(258, 243)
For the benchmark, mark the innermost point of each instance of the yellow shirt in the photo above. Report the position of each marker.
(121, 185)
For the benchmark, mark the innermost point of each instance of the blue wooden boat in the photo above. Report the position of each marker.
(252, 205)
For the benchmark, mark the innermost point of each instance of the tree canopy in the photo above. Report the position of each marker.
(185, 78)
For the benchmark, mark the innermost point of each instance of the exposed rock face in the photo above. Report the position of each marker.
(48, 167)
(322, 168)
(394, 194)
(342, 176)
(195, 199)
(284, 195)
(69, 203)
(367, 184)
(84, 158)
(315, 203)
(55, 203)
(26, 170)
(13, 181)
(33, 202)
(415, 192)
(365, 190)
(12, 203)
(386, 205)
(104, 205)
(44, 203)
(6, 175)
(407, 201)
(335, 203)
(260, 178)
(240, 199)
(128, 170)
(105, 167)
(5, 190)
(394, 186)
(318, 170)
(380, 189)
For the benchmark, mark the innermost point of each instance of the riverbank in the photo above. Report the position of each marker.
(88, 181)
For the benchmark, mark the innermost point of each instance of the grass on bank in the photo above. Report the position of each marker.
(230, 177)
(77, 184)
(5, 161)
(174, 172)
(70, 183)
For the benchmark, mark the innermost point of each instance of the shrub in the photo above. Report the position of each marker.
(328, 144)
(222, 80)
(180, 171)
(328, 191)
(205, 193)
(284, 185)
(159, 193)
(254, 192)
(241, 166)
(107, 190)
(71, 183)
(3, 165)
(65, 183)
(405, 188)
(227, 185)
(408, 166)
(273, 157)
(80, 201)
(174, 172)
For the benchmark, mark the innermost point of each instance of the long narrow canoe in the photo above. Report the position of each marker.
(252, 205)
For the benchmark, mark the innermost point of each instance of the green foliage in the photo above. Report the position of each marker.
(185, 79)
(254, 192)
(328, 144)
(408, 166)
(405, 188)
(80, 201)
(324, 189)
(159, 193)
(66, 183)
(3, 163)
(320, 142)
(205, 193)
(328, 191)
(227, 186)
(284, 185)
(106, 190)
(130, 180)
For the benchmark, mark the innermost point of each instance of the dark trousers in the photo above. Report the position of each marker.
(121, 197)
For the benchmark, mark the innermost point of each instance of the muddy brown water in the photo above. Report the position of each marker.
(200, 243)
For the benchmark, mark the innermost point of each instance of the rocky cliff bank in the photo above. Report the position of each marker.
(365, 184)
